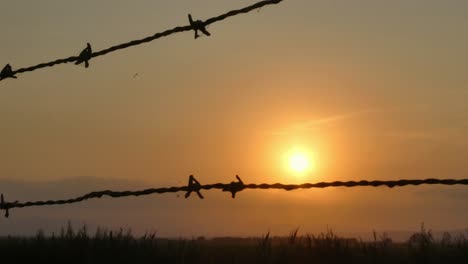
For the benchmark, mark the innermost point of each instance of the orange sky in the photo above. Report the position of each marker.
(374, 90)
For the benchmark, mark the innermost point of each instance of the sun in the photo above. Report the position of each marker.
(298, 162)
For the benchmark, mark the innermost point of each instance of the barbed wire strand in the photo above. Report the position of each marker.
(233, 188)
(87, 53)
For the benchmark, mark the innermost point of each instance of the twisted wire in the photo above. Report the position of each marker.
(165, 33)
(232, 187)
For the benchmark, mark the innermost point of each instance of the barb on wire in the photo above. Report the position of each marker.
(193, 186)
(198, 25)
(6, 206)
(7, 73)
(233, 188)
(87, 54)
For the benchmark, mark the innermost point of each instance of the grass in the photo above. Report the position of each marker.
(105, 246)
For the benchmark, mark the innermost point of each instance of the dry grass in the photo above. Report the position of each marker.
(105, 246)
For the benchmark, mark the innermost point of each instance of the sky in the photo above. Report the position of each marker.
(371, 90)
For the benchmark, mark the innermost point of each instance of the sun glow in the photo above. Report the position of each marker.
(299, 162)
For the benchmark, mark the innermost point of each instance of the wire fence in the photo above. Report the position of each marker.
(234, 187)
(87, 54)
(193, 185)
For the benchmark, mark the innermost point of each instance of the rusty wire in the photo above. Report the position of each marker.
(233, 188)
(87, 54)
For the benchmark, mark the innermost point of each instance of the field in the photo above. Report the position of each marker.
(77, 246)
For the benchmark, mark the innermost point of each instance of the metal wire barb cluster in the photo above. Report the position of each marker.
(234, 187)
(87, 54)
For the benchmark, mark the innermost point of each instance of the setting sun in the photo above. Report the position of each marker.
(299, 162)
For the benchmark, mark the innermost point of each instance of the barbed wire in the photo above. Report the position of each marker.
(87, 54)
(233, 187)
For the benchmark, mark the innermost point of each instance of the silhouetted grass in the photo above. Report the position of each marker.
(106, 246)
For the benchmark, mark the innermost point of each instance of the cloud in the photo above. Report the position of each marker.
(329, 120)
(447, 135)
